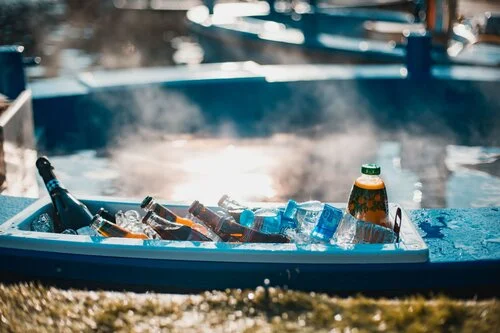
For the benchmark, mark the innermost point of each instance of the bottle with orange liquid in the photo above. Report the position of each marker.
(108, 229)
(151, 205)
(368, 199)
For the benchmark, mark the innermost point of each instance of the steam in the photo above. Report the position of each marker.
(307, 144)
(172, 151)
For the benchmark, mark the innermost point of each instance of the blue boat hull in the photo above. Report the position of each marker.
(459, 279)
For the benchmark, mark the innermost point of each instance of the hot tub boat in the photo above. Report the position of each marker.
(434, 258)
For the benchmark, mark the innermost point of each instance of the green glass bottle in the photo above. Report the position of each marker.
(70, 213)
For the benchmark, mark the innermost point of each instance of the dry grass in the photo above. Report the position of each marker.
(29, 308)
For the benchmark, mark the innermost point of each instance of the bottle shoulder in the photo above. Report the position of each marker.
(370, 182)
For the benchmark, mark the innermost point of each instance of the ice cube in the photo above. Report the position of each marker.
(308, 214)
(133, 216)
(43, 223)
(297, 237)
(120, 218)
(354, 231)
(136, 228)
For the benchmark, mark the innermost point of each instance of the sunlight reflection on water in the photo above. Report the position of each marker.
(184, 168)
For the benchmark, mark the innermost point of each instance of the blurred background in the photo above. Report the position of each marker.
(168, 152)
(72, 35)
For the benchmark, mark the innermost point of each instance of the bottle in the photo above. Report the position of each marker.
(308, 215)
(228, 203)
(247, 218)
(106, 215)
(43, 223)
(70, 213)
(267, 220)
(233, 207)
(227, 225)
(289, 216)
(108, 229)
(327, 224)
(172, 231)
(150, 205)
(368, 198)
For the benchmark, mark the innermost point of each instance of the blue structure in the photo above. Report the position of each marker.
(261, 99)
(12, 77)
(418, 55)
(234, 32)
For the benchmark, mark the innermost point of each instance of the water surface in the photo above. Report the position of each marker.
(419, 172)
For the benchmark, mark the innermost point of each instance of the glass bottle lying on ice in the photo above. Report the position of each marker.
(233, 207)
(130, 220)
(298, 217)
(227, 225)
(173, 231)
(109, 229)
(149, 204)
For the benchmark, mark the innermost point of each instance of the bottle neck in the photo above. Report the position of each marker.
(370, 182)
(150, 205)
(154, 221)
(97, 222)
(49, 178)
(106, 215)
(107, 228)
(53, 186)
(162, 211)
(370, 177)
(219, 224)
(209, 217)
(228, 203)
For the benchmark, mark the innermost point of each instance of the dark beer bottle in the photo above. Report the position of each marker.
(172, 231)
(106, 215)
(150, 205)
(227, 225)
(70, 213)
(108, 229)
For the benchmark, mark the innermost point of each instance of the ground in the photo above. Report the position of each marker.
(28, 307)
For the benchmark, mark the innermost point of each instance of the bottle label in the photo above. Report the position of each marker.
(165, 213)
(329, 220)
(52, 185)
(369, 205)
